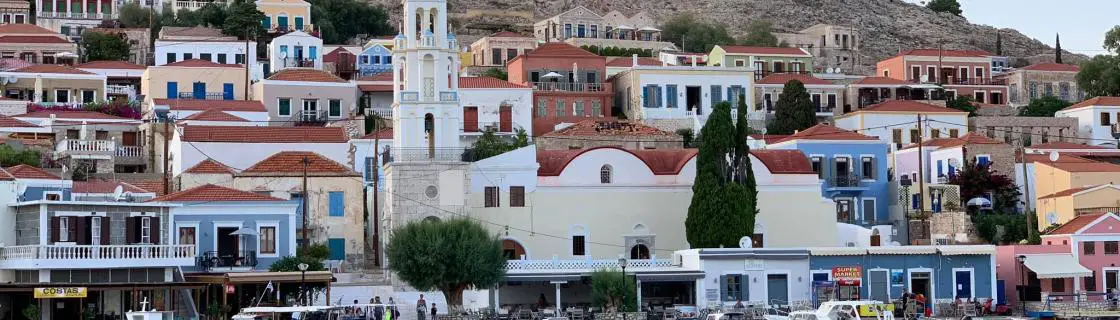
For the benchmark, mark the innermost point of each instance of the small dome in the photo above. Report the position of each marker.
(400, 36)
(451, 36)
(427, 32)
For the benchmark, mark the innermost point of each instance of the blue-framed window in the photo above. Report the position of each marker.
(337, 203)
(337, 249)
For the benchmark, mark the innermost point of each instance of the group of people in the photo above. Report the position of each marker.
(388, 310)
(920, 303)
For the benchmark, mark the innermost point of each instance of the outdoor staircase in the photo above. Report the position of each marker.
(185, 306)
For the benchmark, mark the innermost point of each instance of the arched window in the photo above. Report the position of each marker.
(605, 174)
(639, 251)
(430, 134)
(512, 250)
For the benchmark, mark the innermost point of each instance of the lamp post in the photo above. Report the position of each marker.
(622, 263)
(1022, 284)
(302, 283)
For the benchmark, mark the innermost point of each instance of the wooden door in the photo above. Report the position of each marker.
(129, 138)
(505, 119)
(470, 119)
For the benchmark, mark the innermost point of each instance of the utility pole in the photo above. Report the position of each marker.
(376, 188)
(247, 81)
(1026, 188)
(921, 178)
(306, 161)
(166, 160)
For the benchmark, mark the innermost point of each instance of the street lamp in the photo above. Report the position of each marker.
(622, 261)
(302, 282)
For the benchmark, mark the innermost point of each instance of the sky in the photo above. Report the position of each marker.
(1081, 23)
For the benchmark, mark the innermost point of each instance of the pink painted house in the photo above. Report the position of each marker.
(1082, 255)
(959, 72)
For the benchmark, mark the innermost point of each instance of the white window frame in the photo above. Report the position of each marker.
(983, 93)
(146, 230)
(820, 271)
(863, 212)
(972, 281)
(95, 230)
(68, 97)
(331, 115)
(275, 238)
(191, 225)
(977, 72)
(847, 158)
(821, 157)
(52, 193)
(954, 93)
(64, 229)
(889, 284)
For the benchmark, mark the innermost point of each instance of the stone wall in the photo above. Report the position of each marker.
(1002, 156)
(1030, 130)
(953, 228)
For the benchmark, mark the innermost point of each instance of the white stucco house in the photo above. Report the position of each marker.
(492, 103)
(672, 97)
(296, 49)
(240, 147)
(896, 122)
(1096, 119)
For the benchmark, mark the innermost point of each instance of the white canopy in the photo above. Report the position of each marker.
(649, 29)
(552, 75)
(1059, 265)
(923, 86)
(625, 27)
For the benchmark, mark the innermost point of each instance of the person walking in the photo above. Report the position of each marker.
(420, 304)
(393, 313)
(433, 311)
(378, 309)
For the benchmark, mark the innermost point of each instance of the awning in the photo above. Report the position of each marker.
(922, 86)
(671, 276)
(262, 277)
(1050, 266)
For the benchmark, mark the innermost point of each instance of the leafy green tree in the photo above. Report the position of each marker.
(214, 15)
(1100, 76)
(1112, 39)
(11, 157)
(1043, 107)
(612, 291)
(497, 73)
(760, 34)
(131, 15)
(450, 256)
(999, 43)
(674, 28)
(722, 209)
(313, 256)
(490, 144)
(962, 103)
(1001, 228)
(794, 110)
(704, 37)
(688, 137)
(950, 6)
(341, 20)
(104, 46)
(1020, 62)
(244, 20)
(976, 181)
(186, 18)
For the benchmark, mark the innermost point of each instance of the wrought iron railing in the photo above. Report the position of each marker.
(310, 117)
(432, 154)
(298, 63)
(849, 181)
(214, 259)
(202, 95)
(569, 86)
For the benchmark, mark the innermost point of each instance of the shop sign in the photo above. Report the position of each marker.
(847, 276)
(70, 292)
(230, 289)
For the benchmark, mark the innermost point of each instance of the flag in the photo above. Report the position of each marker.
(268, 287)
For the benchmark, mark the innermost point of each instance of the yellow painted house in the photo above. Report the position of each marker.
(1070, 203)
(286, 15)
(1068, 189)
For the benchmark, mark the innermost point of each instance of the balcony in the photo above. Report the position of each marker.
(310, 118)
(96, 149)
(448, 96)
(410, 96)
(965, 81)
(194, 5)
(759, 74)
(77, 15)
(568, 86)
(133, 152)
(33, 257)
(586, 265)
(297, 63)
(498, 127)
(846, 182)
(204, 95)
(215, 261)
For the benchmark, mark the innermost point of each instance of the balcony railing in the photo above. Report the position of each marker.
(410, 96)
(130, 152)
(203, 95)
(568, 86)
(119, 89)
(846, 182)
(448, 96)
(487, 125)
(191, 5)
(306, 117)
(214, 259)
(588, 265)
(298, 63)
(86, 146)
(965, 81)
(759, 74)
(77, 15)
(95, 256)
(431, 155)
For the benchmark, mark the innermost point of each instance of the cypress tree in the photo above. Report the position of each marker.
(1057, 48)
(794, 111)
(999, 43)
(724, 194)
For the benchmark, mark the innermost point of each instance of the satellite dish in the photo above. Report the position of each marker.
(21, 189)
(118, 192)
(1054, 156)
(954, 162)
(1052, 218)
(745, 242)
(283, 54)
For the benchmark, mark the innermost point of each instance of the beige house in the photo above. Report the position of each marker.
(494, 50)
(286, 15)
(582, 27)
(1070, 203)
(594, 133)
(15, 11)
(92, 142)
(1043, 79)
(53, 84)
(193, 79)
(832, 46)
(1055, 181)
(296, 96)
(36, 44)
(139, 41)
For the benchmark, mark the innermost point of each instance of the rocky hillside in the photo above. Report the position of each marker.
(887, 26)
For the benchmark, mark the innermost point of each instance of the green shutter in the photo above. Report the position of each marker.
(285, 107)
(723, 288)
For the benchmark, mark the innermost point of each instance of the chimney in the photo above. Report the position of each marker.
(634, 60)
(693, 61)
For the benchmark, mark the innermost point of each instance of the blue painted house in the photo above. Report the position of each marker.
(233, 230)
(885, 273)
(375, 59)
(38, 184)
(852, 168)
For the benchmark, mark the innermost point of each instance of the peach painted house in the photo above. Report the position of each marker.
(957, 72)
(1066, 190)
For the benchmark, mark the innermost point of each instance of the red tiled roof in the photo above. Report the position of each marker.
(1097, 101)
(51, 68)
(215, 115)
(769, 138)
(333, 56)
(267, 134)
(9, 122)
(782, 78)
(384, 76)
(1066, 192)
(558, 49)
(1045, 158)
(826, 132)
(211, 192)
(600, 128)
(661, 162)
(946, 53)
(545, 125)
(880, 81)
(203, 105)
(24, 171)
(377, 87)
(508, 34)
(32, 39)
(198, 63)
(103, 64)
(292, 162)
(23, 28)
(304, 74)
(209, 166)
(76, 114)
(4, 176)
(1060, 145)
(627, 62)
(386, 133)
(487, 83)
(1093, 166)
(907, 106)
(784, 161)
(106, 186)
(1052, 67)
(764, 50)
(155, 186)
(970, 139)
(1075, 224)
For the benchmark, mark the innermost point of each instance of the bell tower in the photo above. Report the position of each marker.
(426, 115)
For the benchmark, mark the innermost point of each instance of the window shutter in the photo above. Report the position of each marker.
(723, 288)
(55, 223)
(81, 233)
(744, 288)
(155, 230)
(73, 229)
(646, 102)
(105, 235)
(130, 231)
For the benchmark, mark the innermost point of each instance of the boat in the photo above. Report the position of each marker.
(843, 310)
(728, 315)
(275, 313)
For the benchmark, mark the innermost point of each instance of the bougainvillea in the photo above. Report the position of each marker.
(121, 109)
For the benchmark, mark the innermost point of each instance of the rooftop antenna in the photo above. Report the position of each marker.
(118, 193)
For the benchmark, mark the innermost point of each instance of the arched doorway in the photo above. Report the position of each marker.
(639, 251)
(430, 134)
(512, 250)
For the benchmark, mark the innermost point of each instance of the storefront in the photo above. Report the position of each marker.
(754, 276)
(102, 301)
(227, 293)
(841, 284)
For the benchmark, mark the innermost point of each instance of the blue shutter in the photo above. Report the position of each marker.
(337, 204)
(299, 23)
(266, 22)
(199, 90)
(731, 95)
(297, 198)
(227, 91)
(717, 94)
(744, 287)
(723, 288)
(982, 161)
(671, 91)
(369, 168)
(952, 171)
(337, 249)
(172, 90)
(914, 199)
(660, 101)
(939, 172)
(313, 52)
(645, 97)
(282, 21)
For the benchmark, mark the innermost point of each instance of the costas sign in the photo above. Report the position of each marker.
(71, 292)
(847, 276)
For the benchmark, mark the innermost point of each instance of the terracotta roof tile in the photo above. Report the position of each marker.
(292, 162)
(487, 83)
(215, 115)
(1093, 166)
(32, 39)
(24, 171)
(784, 161)
(1096, 101)
(106, 186)
(377, 87)
(782, 78)
(241, 134)
(826, 132)
(203, 105)
(1045, 158)
(198, 63)
(907, 106)
(661, 162)
(1066, 192)
(1075, 224)
(51, 68)
(881, 81)
(602, 128)
(76, 114)
(765, 50)
(384, 76)
(305, 74)
(211, 192)
(155, 186)
(191, 32)
(946, 53)
(558, 49)
(4, 176)
(104, 64)
(23, 28)
(627, 62)
(545, 125)
(1052, 67)
(1060, 145)
(209, 166)
(769, 138)
(386, 133)
(9, 122)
